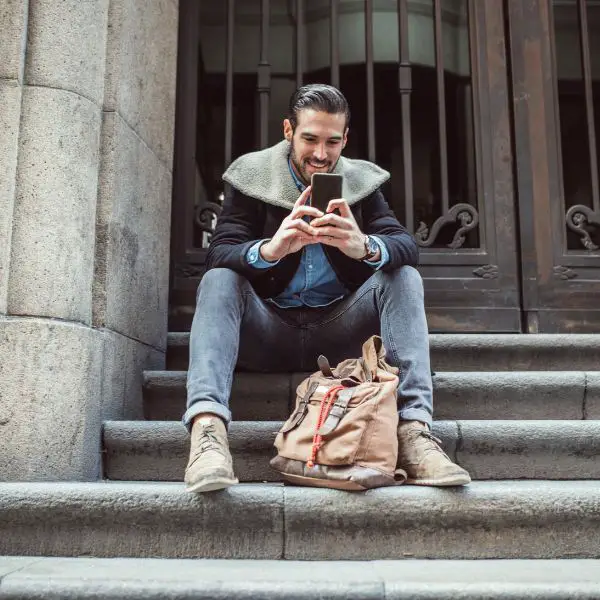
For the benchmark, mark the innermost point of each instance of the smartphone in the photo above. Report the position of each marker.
(325, 187)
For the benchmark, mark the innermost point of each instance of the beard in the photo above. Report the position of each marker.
(301, 169)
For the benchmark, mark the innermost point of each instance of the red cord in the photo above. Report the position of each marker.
(326, 405)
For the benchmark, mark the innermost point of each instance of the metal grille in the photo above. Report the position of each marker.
(578, 90)
(440, 215)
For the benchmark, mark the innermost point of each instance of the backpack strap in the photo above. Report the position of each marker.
(373, 358)
(324, 366)
(302, 409)
(338, 410)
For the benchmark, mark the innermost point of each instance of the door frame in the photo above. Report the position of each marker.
(561, 287)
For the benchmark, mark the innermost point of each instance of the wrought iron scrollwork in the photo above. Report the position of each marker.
(466, 214)
(578, 218)
(205, 218)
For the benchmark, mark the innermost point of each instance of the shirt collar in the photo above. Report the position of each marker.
(297, 181)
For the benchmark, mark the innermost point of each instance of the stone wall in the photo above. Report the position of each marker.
(87, 91)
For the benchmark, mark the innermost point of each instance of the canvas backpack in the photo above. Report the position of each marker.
(343, 431)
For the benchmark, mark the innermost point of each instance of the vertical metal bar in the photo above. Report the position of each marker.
(264, 74)
(474, 119)
(441, 98)
(229, 82)
(370, 79)
(589, 100)
(334, 48)
(299, 42)
(405, 88)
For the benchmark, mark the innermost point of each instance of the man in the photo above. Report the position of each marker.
(286, 283)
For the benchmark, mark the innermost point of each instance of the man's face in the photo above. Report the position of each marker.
(317, 142)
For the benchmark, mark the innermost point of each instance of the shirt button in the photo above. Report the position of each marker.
(310, 267)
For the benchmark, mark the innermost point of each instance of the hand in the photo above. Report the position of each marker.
(294, 233)
(340, 231)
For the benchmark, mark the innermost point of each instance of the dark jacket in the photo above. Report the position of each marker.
(262, 194)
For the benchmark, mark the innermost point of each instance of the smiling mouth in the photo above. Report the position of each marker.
(316, 165)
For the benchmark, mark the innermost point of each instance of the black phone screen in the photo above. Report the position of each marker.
(325, 187)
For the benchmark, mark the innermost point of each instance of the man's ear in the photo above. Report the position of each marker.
(288, 131)
(345, 140)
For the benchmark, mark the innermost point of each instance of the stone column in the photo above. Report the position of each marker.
(85, 213)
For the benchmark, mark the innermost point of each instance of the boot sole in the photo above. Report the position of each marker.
(211, 485)
(450, 481)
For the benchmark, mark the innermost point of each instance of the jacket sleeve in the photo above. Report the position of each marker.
(239, 227)
(379, 219)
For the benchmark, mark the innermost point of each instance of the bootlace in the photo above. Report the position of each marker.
(209, 441)
(434, 445)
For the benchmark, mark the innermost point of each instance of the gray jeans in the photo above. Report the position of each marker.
(234, 327)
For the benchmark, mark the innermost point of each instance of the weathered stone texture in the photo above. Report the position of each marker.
(131, 281)
(512, 519)
(10, 111)
(494, 395)
(530, 449)
(141, 69)
(140, 520)
(122, 366)
(592, 395)
(159, 450)
(66, 46)
(53, 225)
(88, 578)
(50, 386)
(13, 17)
(254, 397)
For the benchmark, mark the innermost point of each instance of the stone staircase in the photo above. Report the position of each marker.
(520, 412)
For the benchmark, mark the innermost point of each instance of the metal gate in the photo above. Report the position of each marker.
(430, 87)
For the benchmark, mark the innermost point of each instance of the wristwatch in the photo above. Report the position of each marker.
(371, 248)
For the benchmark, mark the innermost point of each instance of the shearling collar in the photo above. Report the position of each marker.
(265, 175)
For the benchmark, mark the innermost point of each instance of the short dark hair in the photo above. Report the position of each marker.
(318, 96)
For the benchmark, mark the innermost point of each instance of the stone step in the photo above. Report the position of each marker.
(477, 352)
(158, 450)
(505, 519)
(567, 395)
(180, 579)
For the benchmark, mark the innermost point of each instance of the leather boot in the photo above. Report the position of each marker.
(210, 465)
(420, 455)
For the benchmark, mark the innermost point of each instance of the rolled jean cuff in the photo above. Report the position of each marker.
(416, 414)
(205, 406)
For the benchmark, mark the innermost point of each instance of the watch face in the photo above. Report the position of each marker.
(372, 245)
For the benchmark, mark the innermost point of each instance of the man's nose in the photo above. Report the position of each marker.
(319, 152)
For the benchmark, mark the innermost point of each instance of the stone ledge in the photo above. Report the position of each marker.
(509, 519)
(157, 579)
(466, 395)
(143, 520)
(269, 395)
(478, 352)
(158, 450)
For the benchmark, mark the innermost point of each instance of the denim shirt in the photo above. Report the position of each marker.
(315, 283)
